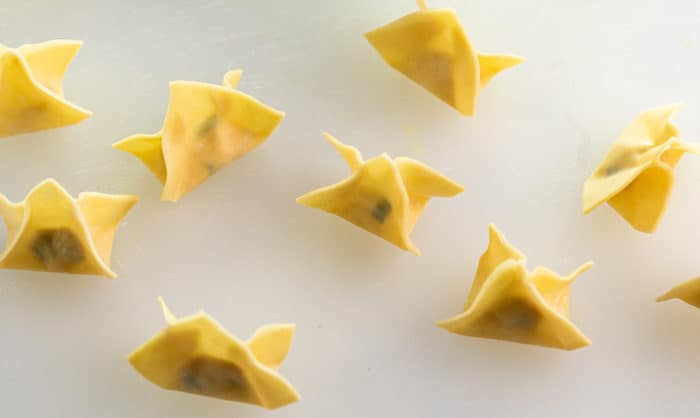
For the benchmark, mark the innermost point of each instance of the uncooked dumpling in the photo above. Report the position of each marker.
(195, 354)
(51, 231)
(509, 303)
(383, 196)
(431, 48)
(636, 177)
(31, 88)
(206, 127)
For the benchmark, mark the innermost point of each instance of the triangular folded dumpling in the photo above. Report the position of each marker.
(206, 127)
(431, 48)
(688, 292)
(509, 303)
(31, 88)
(383, 196)
(636, 177)
(197, 355)
(51, 231)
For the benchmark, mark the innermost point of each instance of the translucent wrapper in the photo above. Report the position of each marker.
(383, 196)
(431, 48)
(195, 354)
(206, 127)
(636, 176)
(50, 231)
(31, 88)
(509, 303)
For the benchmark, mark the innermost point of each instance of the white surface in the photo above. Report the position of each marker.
(241, 249)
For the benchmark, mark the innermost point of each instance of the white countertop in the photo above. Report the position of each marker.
(240, 248)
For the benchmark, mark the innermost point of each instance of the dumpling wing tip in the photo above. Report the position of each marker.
(491, 65)
(149, 150)
(412, 249)
(688, 292)
(666, 296)
(583, 268)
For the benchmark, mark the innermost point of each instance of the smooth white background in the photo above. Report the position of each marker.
(241, 249)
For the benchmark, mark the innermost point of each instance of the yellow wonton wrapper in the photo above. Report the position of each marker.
(31, 88)
(509, 303)
(51, 231)
(431, 48)
(688, 292)
(206, 128)
(197, 355)
(382, 196)
(636, 176)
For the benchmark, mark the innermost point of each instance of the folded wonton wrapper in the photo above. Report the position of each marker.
(196, 355)
(688, 292)
(51, 231)
(431, 48)
(31, 88)
(636, 176)
(382, 196)
(509, 303)
(206, 128)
